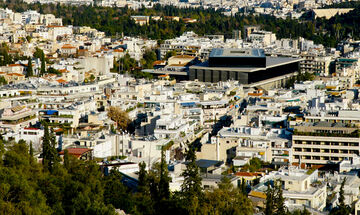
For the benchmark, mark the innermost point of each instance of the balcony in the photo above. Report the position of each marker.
(355, 134)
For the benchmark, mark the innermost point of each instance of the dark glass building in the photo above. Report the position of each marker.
(246, 66)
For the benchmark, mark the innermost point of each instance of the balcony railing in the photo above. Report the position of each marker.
(323, 134)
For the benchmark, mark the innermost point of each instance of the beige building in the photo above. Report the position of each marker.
(13, 78)
(247, 143)
(141, 20)
(264, 37)
(301, 188)
(180, 60)
(313, 63)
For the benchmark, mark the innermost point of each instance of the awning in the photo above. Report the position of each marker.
(51, 112)
(188, 104)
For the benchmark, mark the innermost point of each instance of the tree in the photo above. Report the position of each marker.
(50, 155)
(54, 71)
(3, 80)
(120, 117)
(191, 187)
(40, 54)
(144, 203)
(143, 181)
(66, 159)
(42, 68)
(279, 199)
(19, 193)
(269, 205)
(149, 58)
(341, 207)
(26, 189)
(254, 165)
(116, 193)
(164, 190)
(28, 38)
(169, 54)
(243, 187)
(226, 199)
(304, 211)
(29, 72)
(92, 78)
(31, 150)
(275, 202)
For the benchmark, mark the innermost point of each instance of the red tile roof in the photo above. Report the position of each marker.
(31, 128)
(15, 74)
(63, 70)
(76, 151)
(247, 174)
(68, 46)
(13, 65)
(61, 81)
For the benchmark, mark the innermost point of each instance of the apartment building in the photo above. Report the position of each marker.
(315, 63)
(263, 37)
(346, 66)
(324, 143)
(17, 117)
(191, 44)
(301, 187)
(243, 143)
(344, 116)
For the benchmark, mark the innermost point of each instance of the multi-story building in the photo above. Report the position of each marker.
(324, 143)
(191, 44)
(264, 37)
(270, 145)
(347, 66)
(301, 188)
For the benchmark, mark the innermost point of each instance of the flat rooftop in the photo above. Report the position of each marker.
(217, 52)
(270, 63)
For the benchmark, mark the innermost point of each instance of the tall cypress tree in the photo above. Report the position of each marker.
(145, 204)
(31, 149)
(191, 187)
(29, 72)
(192, 179)
(275, 202)
(280, 201)
(243, 187)
(43, 69)
(341, 208)
(50, 156)
(40, 54)
(143, 181)
(164, 190)
(66, 159)
(269, 206)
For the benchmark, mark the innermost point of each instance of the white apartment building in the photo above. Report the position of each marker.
(265, 38)
(270, 145)
(170, 127)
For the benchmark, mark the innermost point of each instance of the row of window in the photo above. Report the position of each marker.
(342, 151)
(326, 143)
(324, 158)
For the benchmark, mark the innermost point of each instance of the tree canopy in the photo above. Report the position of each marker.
(115, 21)
(120, 117)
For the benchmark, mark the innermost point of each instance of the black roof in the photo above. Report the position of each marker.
(203, 163)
